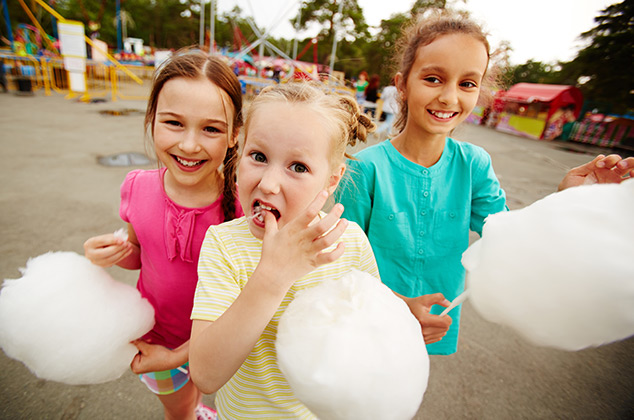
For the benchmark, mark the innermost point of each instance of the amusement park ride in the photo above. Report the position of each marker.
(247, 58)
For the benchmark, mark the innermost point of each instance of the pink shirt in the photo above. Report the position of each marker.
(170, 236)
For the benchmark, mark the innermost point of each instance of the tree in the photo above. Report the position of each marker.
(603, 67)
(532, 72)
(352, 22)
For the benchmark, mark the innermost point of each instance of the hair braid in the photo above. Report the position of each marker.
(229, 194)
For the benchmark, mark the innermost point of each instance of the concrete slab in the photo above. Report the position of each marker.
(54, 195)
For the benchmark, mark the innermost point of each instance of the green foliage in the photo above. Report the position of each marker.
(532, 72)
(381, 51)
(601, 69)
(604, 65)
(324, 11)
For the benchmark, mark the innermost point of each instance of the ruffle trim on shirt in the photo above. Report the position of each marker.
(179, 230)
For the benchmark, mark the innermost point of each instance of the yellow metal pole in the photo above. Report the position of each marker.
(113, 83)
(89, 41)
(45, 76)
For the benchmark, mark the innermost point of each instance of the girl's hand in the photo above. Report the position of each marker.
(153, 358)
(434, 326)
(601, 170)
(107, 250)
(298, 248)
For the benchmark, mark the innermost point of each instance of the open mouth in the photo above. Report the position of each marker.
(442, 115)
(258, 209)
(188, 163)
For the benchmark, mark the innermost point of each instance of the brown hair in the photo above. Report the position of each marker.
(374, 82)
(423, 31)
(341, 113)
(193, 64)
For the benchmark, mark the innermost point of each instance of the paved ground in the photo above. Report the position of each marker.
(54, 195)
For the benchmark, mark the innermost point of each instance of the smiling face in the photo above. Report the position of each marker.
(286, 162)
(444, 84)
(191, 134)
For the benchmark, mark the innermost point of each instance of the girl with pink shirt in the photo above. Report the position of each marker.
(194, 115)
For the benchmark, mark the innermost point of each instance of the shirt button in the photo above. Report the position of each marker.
(421, 233)
(425, 171)
(390, 217)
(421, 251)
(423, 213)
(452, 214)
(425, 194)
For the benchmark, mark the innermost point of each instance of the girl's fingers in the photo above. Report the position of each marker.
(324, 225)
(330, 256)
(313, 209)
(624, 167)
(608, 162)
(328, 238)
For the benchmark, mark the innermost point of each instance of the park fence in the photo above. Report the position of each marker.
(29, 74)
(609, 132)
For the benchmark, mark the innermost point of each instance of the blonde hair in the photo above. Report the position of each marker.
(423, 31)
(190, 63)
(346, 123)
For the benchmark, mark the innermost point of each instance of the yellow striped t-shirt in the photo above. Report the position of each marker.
(228, 257)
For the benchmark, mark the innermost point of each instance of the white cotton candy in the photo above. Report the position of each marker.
(560, 271)
(351, 349)
(68, 321)
(121, 233)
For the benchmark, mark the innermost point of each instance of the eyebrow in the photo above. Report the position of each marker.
(438, 69)
(174, 114)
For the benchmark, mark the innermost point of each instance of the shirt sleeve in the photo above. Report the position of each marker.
(355, 193)
(217, 286)
(488, 196)
(126, 195)
(367, 261)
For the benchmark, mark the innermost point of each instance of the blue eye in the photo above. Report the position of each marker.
(258, 157)
(298, 167)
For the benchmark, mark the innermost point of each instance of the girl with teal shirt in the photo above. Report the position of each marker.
(418, 195)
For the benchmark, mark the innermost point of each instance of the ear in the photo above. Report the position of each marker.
(233, 138)
(336, 176)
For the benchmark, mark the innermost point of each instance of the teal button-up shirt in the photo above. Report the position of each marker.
(418, 219)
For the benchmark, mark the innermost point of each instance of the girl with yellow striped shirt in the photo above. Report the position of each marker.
(250, 268)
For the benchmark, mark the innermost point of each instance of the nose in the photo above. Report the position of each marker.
(270, 181)
(448, 94)
(189, 142)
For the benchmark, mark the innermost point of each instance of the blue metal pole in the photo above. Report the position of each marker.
(119, 46)
(7, 20)
(53, 21)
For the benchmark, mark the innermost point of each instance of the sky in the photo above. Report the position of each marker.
(541, 30)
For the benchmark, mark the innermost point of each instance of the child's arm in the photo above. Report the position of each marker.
(434, 327)
(600, 170)
(155, 358)
(107, 250)
(218, 349)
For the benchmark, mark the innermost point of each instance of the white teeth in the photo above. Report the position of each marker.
(188, 163)
(443, 114)
(258, 209)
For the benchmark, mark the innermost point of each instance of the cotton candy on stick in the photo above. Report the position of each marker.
(351, 349)
(68, 321)
(560, 271)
